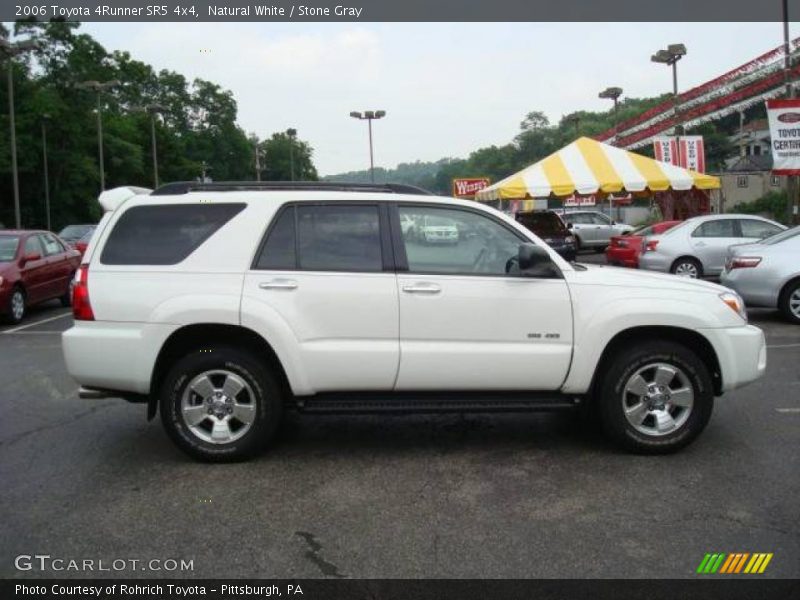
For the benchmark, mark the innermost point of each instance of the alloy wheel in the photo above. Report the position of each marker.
(794, 303)
(218, 406)
(17, 305)
(687, 269)
(658, 399)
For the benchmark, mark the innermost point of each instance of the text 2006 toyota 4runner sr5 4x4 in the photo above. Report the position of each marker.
(221, 305)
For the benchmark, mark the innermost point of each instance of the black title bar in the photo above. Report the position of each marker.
(397, 10)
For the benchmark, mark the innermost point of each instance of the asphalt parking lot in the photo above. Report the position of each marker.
(416, 496)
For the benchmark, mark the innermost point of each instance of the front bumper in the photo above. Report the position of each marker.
(742, 354)
(653, 261)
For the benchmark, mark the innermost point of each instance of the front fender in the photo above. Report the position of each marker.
(597, 323)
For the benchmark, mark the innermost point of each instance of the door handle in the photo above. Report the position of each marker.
(700, 244)
(278, 284)
(422, 288)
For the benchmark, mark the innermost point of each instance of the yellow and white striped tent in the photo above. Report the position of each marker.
(587, 166)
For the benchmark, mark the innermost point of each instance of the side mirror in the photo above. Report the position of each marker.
(569, 225)
(613, 222)
(31, 257)
(534, 261)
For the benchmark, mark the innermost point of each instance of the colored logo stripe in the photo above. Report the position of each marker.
(734, 563)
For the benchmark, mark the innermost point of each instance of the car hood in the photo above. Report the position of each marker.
(616, 276)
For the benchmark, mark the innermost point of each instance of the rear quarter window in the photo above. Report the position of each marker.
(164, 234)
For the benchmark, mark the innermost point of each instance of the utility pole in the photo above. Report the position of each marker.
(9, 50)
(792, 181)
(154, 109)
(45, 118)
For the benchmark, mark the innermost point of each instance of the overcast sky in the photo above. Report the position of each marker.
(448, 88)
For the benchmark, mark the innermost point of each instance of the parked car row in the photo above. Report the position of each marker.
(37, 266)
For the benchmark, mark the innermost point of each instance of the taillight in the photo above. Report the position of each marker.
(651, 245)
(743, 262)
(81, 307)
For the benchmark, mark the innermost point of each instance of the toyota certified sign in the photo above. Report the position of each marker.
(467, 188)
(784, 130)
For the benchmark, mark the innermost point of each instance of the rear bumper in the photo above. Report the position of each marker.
(742, 354)
(754, 289)
(652, 261)
(102, 355)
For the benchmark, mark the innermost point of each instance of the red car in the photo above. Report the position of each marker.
(624, 250)
(35, 266)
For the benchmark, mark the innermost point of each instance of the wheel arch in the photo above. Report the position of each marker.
(692, 340)
(785, 288)
(687, 257)
(191, 337)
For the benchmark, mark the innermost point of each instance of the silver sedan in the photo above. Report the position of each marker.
(699, 246)
(767, 273)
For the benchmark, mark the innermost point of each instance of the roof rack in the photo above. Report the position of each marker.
(184, 187)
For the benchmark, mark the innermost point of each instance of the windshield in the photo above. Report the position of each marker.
(780, 237)
(545, 223)
(8, 247)
(70, 233)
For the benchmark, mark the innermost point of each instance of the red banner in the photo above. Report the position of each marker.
(688, 153)
(467, 188)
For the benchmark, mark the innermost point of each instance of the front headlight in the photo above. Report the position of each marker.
(735, 302)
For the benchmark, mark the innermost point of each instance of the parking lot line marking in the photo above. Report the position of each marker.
(784, 346)
(788, 410)
(35, 323)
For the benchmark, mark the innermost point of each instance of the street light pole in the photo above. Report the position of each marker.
(154, 109)
(613, 93)
(369, 116)
(292, 133)
(45, 118)
(671, 56)
(10, 50)
(99, 88)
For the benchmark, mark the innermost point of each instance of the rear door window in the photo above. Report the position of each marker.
(164, 234)
(326, 237)
(719, 228)
(51, 245)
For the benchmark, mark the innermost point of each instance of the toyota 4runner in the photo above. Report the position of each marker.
(222, 305)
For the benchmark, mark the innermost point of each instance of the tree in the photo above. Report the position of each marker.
(279, 152)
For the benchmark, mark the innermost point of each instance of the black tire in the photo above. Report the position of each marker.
(10, 315)
(267, 397)
(612, 397)
(687, 263)
(66, 299)
(786, 300)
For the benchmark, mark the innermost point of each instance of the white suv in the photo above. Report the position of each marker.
(224, 304)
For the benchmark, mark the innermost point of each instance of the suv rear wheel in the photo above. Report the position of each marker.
(656, 397)
(219, 404)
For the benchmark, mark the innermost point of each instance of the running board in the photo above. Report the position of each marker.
(424, 402)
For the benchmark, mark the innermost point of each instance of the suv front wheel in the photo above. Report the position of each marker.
(219, 404)
(656, 397)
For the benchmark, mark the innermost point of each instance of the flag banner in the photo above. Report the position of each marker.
(686, 151)
(692, 154)
(784, 131)
(666, 150)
